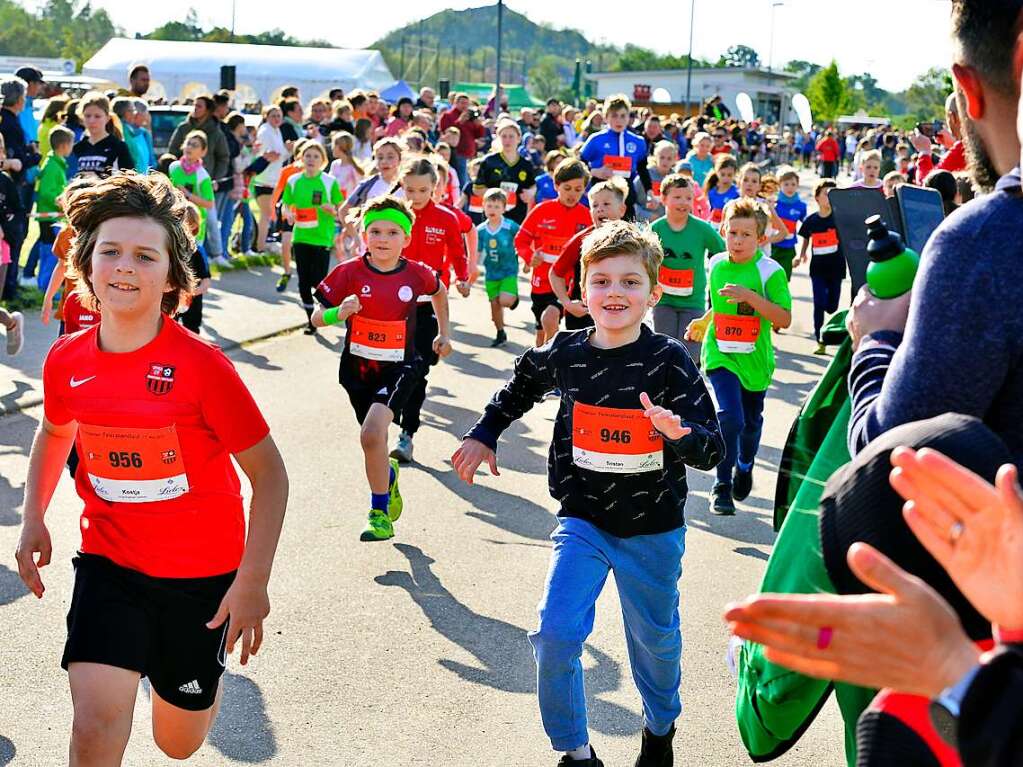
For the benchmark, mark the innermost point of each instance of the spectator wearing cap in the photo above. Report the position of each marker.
(33, 85)
(21, 157)
(913, 352)
(401, 118)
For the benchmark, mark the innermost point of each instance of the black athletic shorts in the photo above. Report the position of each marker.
(262, 191)
(155, 626)
(577, 323)
(540, 302)
(283, 225)
(391, 387)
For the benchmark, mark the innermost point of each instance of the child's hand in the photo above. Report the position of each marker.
(464, 287)
(537, 259)
(736, 294)
(47, 312)
(204, 285)
(329, 210)
(35, 539)
(697, 330)
(289, 216)
(666, 422)
(469, 457)
(800, 260)
(442, 345)
(576, 308)
(350, 306)
(526, 269)
(244, 607)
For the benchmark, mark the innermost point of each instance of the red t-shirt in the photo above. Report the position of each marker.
(469, 131)
(383, 330)
(567, 265)
(437, 242)
(75, 316)
(547, 229)
(156, 430)
(828, 149)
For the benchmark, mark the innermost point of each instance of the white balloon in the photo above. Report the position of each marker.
(745, 106)
(661, 96)
(801, 105)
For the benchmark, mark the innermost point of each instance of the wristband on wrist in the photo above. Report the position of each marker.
(1008, 636)
(330, 316)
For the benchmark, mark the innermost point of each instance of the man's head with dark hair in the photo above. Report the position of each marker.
(984, 34)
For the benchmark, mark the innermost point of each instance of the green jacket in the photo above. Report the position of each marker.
(50, 184)
(774, 706)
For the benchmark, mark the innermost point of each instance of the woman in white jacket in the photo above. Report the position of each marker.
(268, 139)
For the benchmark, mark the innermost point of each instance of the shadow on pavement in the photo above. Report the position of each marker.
(502, 649)
(16, 434)
(746, 526)
(749, 551)
(7, 750)
(243, 731)
(240, 354)
(11, 589)
(10, 400)
(507, 511)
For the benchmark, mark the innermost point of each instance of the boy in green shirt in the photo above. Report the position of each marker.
(52, 181)
(310, 202)
(749, 294)
(686, 241)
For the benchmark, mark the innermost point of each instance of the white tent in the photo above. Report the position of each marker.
(184, 69)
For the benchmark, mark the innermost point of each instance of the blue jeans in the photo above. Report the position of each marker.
(460, 164)
(741, 415)
(213, 227)
(225, 207)
(826, 295)
(647, 569)
(240, 207)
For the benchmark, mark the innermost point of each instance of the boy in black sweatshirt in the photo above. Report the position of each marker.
(634, 412)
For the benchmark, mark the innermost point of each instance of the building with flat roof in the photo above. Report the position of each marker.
(771, 91)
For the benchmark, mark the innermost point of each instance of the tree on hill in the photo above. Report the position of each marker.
(925, 98)
(740, 56)
(830, 95)
(62, 29)
(635, 58)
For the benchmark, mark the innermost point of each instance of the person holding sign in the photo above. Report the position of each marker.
(615, 150)
(166, 582)
(686, 241)
(748, 294)
(543, 236)
(634, 413)
(310, 202)
(376, 297)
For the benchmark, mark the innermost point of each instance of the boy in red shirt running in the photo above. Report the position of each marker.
(437, 242)
(543, 235)
(607, 203)
(381, 364)
(165, 582)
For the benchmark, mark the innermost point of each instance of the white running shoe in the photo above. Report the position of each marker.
(16, 335)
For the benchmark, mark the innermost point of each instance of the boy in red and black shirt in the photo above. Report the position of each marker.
(437, 241)
(381, 365)
(542, 237)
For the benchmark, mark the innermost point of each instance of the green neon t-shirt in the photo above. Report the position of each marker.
(686, 251)
(313, 225)
(738, 338)
(198, 183)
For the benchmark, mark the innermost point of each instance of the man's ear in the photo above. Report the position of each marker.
(973, 90)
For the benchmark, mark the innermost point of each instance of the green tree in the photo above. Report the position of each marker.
(830, 95)
(545, 80)
(21, 34)
(740, 56)
(925, 98)
(78, 30)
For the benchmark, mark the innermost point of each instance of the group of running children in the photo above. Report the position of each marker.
(154, 414)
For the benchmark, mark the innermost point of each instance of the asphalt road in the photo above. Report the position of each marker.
(414, 651)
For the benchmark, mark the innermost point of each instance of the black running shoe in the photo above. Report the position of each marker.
(500, 339)
(515, 305)
(656, 750)
(742, 483)
(593, 761)
(722, 503)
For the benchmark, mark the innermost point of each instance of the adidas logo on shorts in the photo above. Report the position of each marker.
(192, 688)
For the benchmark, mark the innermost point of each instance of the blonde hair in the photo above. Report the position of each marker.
(747, 207)
(623, 238)
(616, 185)
(197, 134)
(873, 154)
(616, 102)
(311, 144)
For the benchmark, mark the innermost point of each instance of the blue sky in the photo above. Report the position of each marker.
(894, 39)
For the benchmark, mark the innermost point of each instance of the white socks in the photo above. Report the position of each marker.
(580, 754)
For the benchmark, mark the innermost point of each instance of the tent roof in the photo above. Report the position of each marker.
(518, 96)
(262, 67)
(398, 90)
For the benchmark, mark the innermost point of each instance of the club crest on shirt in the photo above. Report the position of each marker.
(160, 378)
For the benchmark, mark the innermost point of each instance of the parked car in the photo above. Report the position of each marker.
(164, 120)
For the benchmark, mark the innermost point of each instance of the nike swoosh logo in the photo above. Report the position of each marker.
(75, 384)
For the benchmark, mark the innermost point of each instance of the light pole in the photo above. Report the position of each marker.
(770, 56)
(689, 67)
(497, 74)
(233, 2)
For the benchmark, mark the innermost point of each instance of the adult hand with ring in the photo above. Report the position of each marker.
(972, 528)
(872, 640)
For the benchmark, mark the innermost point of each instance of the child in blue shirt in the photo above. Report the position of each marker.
(499, 258)
(792, 211)
(720, 186)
